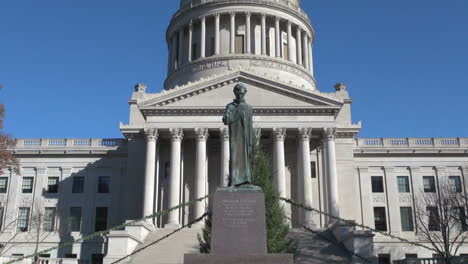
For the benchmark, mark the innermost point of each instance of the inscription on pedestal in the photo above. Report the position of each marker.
(239, 223)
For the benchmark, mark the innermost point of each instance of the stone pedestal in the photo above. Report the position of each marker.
(239, 230)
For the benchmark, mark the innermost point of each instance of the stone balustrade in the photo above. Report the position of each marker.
(76, 146)
(411, 143)
(456, 260)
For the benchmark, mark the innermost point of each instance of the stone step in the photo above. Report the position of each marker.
(168, 251)
(319, 248)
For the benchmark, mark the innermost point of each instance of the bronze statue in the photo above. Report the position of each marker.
(238, 116)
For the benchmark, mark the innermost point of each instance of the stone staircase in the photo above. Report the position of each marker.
(170, 250)
(313, 248)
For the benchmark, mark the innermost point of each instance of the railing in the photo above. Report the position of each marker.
(74, 143)
(455, 260)
(42, 260)
(411, 142)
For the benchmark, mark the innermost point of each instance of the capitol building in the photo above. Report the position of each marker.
(175, 149)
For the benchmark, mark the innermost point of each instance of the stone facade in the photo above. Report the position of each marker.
(176, 149)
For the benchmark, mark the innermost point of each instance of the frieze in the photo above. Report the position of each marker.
(405, 199)
(210, 65)
(281, 66)
(257, 111)
(378, 199)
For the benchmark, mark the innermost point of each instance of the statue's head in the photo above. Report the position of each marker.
(240, 90)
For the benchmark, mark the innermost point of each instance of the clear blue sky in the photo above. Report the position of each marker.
(68, 67)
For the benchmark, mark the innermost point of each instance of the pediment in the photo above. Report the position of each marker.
(262, 94)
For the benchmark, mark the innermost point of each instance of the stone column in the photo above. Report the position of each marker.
(174, 182)
(247, 32)
(202, 37)
(280, 168)
(299, 45)
(290, 47)
(233, 32)
(148, 195)
(181, 47)
(277, 37)
(305, 50)
(264, 34)
(190, 36)
(217, 18)
(330, 159)
(200, 179)
(311, 58)
(304, 145)
(225, 157)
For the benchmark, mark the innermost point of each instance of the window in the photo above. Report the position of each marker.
(104, 185)
(377, 184)
(44, 255)
(1, 217)
(429, 184)
(434, 220)
(78, 184)
(403, 184)
(313, 170)
(212, 42)
(52, 184)
(71, 255)
(462, 217)
(49, 219)
(406, 214)
(285, 51)
(384, 259)
(380, 219)
(411, 256)
(455, 184)
(27, 186)
(267, 43)
(101, 219)
(97, 259)
(194, 51)
(75, 219)
(3, 184)
(23, 219)
(239, 44)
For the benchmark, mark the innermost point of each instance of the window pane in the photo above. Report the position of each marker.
(429, 184)
(78, 185)
(104, 185)
(23, 219)
(52, 184)
(406, 214)
(384, 259)
(411, 256)
(75, 219)
(3, 184)
(403, 184)
(380, 219)
(49, 219)
(462, 218)
(455, 184)
(101, 218)
(377, 184)
(27, 186)
(433, 213)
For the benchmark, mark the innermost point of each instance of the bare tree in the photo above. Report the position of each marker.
(7, 159)
(441, 219)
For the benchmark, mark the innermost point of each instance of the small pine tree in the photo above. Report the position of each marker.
(276, 226)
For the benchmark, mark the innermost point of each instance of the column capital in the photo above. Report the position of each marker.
(177, 134)
(277, 19)
(289, 24)
(217, 15)
(329, 133)
(202, 18)
(263, 15)
(151, 134)
(224, 133)
(248, 14)
(279, 133)
(202, 134)
(190, 24)
(305, 133)
(232, 13)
